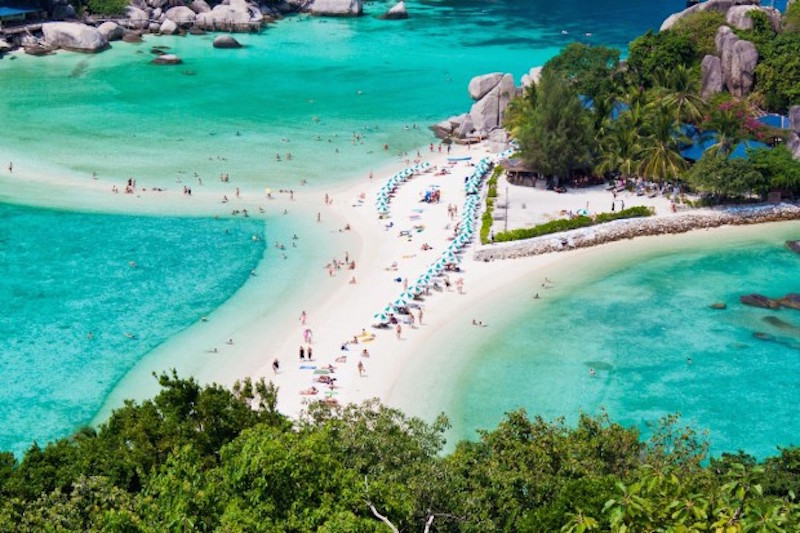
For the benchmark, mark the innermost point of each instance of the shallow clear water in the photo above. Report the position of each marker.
(302, 79)
(636, 328)
(65, 275)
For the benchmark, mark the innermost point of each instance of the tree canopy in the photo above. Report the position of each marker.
(211, 459)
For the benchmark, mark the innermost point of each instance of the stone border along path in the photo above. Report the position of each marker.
(638, 227)
(464, 236)
(384, 196)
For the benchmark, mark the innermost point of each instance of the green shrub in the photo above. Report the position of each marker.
(701, 29)
(557, 226)
(107, 7)
(486, 218)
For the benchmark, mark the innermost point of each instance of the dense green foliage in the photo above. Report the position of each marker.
(590, 69)
(654, 53)
(763, 171)
(491, 195)
(700, 28)
(791, 19)
(551, 126)
(556, 226)
(778, 71)
(107, 7)
(208, 459)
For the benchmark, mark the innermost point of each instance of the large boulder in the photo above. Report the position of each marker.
(794, 118)
(794, 144)
(479, 86)
(712, 76)
(741, 17)
(738, 58)
(200, 6)
(507, 92)
(168, 27)
(111, 31)
(739, 80)
(721, 6)
(459, 126)
(224, 18)
(74, 36)
(167, 59)
(533, 77)
(336, 8)
(226, 41)
(157, 4)
(487, 113)
(181, 15)
(137, 18)
(4, 46)
(397, 12)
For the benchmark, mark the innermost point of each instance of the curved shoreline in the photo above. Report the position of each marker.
(638, 227)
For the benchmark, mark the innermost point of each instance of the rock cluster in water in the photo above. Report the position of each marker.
(791, 301)
(638, 227)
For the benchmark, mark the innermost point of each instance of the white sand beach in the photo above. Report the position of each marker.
(341, 303)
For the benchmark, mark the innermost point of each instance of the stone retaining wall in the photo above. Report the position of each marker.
(637, 227)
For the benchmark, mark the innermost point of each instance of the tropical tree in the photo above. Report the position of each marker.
(552, 127)
(679, 90)
(660, 155)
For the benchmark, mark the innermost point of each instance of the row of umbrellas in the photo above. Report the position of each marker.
(464, 235)
(384, 194)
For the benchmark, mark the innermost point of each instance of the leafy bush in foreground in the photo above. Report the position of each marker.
(557, 226)
(210, 459)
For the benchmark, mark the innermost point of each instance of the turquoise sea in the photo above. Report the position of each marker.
(656, 348)
(304, 86)
(64, 276)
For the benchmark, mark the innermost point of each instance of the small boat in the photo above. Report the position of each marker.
(461, 158)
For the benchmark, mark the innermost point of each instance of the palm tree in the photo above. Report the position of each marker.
(661, 157)
(620, 150)
(679, 89)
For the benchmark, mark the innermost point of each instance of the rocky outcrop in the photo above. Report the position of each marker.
(74, 36)
(397, 12)
(791, 300)
(487, 113)
(712, 76)
(738, 58)
(4, 46)
(710, 5)
(136, 18)
(228, 18)
(479, 86)
(167, 59)
(794, 144)
(181, 15)
(794, 118)
(458, 127)
(336, 8)
(111, 31)
(759, 300)
(741, 17)
(638, 227)
(200, 6)
(533, 77)
(168, 27)
(226, 41)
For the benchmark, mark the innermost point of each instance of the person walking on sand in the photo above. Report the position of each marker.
(308, 351)
(302, 354)
(303, 317)
(275, 366)
(361, 369)
(399, 330)
(420, 316)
